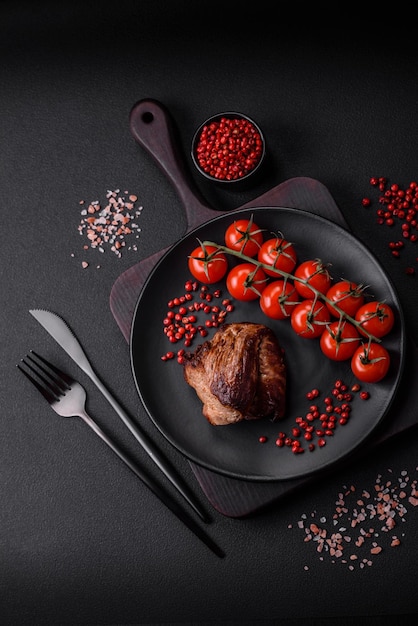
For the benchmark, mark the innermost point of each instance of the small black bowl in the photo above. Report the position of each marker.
(229, 149)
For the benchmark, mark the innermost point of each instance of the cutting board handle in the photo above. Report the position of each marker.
(153, 128)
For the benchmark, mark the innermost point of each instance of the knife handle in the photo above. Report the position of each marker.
(156, 489)
(151, 449)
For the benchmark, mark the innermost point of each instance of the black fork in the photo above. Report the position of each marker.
(67, 397)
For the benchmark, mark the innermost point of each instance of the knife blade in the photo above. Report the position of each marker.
(59, 330)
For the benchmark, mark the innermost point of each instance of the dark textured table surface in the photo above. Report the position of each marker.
(82, 541)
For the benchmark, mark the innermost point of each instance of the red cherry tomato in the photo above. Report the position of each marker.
(348, 296)
(278, 299)
(244, 236)
(314, 273)
(309, 318)
(246, 281)
(207, 264)
(278, 253)
(377, 318)
(339, 340)
(370, 362)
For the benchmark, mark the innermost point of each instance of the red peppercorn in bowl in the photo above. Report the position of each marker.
(228, 148)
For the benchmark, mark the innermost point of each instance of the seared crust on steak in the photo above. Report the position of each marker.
(240, 374)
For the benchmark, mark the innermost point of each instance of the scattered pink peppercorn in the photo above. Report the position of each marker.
(315, 426)
(398, 206)
(181, 323)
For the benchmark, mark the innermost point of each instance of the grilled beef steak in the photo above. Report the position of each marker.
(240, 374)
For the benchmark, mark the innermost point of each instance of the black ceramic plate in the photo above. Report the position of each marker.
(235, 450)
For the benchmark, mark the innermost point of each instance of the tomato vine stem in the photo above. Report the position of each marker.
(288, 276)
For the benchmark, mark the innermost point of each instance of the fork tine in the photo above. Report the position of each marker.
(49, 380)
(59, 377)
(45, 389)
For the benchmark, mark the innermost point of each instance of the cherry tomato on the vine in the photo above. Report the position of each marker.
(278, 253)
(347, 296)
(370, 362)
(376, 318)
(246, 281)
(244, 236)
(339, 340)
(207, 264)
(312, 272)
(278, 299)
(309, 318)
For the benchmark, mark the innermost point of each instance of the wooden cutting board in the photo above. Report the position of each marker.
(153, 128)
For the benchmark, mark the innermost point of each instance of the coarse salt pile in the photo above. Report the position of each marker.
(110, 225)
(363, 523)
